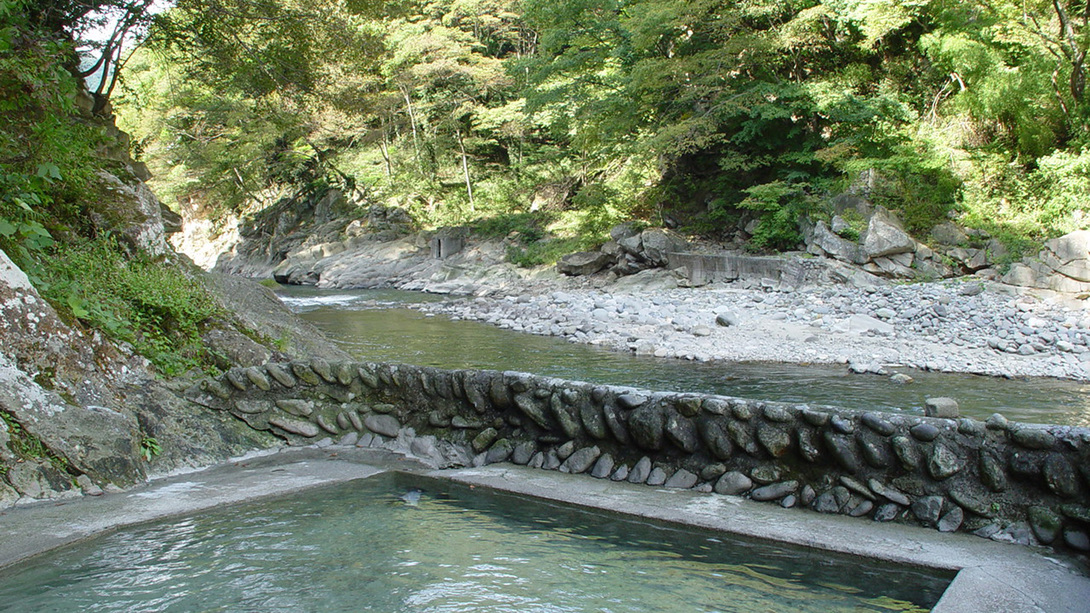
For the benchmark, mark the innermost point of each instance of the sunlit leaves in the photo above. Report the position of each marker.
(878, 19)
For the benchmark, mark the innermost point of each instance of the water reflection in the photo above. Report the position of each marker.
(373, 325)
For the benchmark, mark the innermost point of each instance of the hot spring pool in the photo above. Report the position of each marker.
(399, 542)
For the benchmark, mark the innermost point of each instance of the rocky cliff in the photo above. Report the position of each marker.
(82, 412)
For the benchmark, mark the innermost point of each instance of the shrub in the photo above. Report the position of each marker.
(157, 308)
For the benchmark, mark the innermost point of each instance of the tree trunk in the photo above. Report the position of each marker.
(465, 168)
(412, 121)
(1074, 48)
(384, 146)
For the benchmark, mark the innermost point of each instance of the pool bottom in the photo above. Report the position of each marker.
(399, 542)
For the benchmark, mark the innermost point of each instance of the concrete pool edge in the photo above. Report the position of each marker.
(991, 576)
(40, 526)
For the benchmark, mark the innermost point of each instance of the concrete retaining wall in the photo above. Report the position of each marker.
(703, 268)
(1000, 479)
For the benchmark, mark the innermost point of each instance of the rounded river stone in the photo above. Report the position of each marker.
(602, 467)
(640, 472)
(582, 460)
(774, 491)
(733, 483)
(657, 477)
(387, 425)
(928, 509)
(682, 479)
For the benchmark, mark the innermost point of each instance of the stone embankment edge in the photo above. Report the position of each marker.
(992, 576)
(999, 479)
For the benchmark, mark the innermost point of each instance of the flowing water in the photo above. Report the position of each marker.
(374, 325)
(396, 543)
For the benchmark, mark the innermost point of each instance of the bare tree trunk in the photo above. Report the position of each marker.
(465, 168)
(412, 120)
(384, 146)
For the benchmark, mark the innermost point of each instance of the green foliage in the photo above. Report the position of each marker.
(543, 251)
(527, 225)
(784, 203)
(599, 209)
(149, 448)
(914, 181)
(708, 112)
(1060, 185)
(45, 154)
(1023, 206)
(50, 152)
(227, 98)
(534, 236)
(856, 225)
(158, 309)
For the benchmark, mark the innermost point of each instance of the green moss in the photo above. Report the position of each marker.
(46, 377)
(856, 225)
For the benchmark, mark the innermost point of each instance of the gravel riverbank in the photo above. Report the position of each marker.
(964, 326)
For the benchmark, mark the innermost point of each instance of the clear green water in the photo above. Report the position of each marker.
(361, 547)
(372, 325)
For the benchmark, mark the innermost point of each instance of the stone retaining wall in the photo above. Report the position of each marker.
(999, 479)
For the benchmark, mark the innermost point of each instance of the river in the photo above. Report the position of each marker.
(381, 326)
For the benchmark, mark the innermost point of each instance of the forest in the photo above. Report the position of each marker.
(560, 119)
(707, 115)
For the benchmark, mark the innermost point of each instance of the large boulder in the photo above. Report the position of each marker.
(583, 263)
(96, 440)
(1063, 265)
(632, 251)
(948, 234)
(824, 241)
(253, 306)
(1069, 255)
(133, 212)
(970, 259)
(885, 236)
(632, 244)
(622, 231)
(658, 243)
(898, 265)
